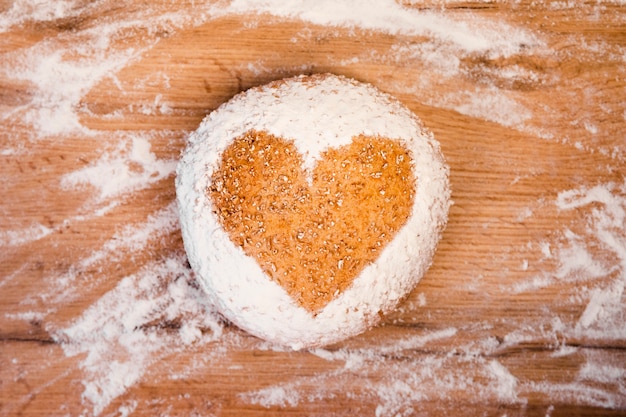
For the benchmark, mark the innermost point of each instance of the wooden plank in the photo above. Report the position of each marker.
(520, 314)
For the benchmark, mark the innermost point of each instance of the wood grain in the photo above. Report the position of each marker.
(475, 310)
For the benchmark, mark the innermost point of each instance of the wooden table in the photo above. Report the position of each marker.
(522, 312)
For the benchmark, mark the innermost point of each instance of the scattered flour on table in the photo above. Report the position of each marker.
(121, 337)
(132, 238)
(594, 256)
(605, 206)
(24, 235)
(490, 104)
(131, 167)
(590, 253)
(471, 34)
(600, 381)
(399, 387)
(122, 171)
(61, 69)
(59, 83)
(25, 10)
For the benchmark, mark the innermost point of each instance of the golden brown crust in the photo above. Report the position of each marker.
(313, 238)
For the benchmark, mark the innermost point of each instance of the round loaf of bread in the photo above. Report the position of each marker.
(310, 207)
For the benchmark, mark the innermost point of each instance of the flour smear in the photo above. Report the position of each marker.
(120, 340)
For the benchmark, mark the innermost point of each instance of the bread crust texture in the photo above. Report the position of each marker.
(310, 207)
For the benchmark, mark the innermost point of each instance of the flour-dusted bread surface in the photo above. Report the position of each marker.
(311, 206)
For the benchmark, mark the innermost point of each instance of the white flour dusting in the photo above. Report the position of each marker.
(147, 317)
(24, 10)
(122, 171)
(472, 34)
(60, 83)
(605, 205)
(594, 259)
(400, 388)
(157, 311)
(23, 235)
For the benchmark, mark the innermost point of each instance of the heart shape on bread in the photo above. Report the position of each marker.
(312, 233)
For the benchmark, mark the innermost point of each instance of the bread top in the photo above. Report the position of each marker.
(315, 123)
